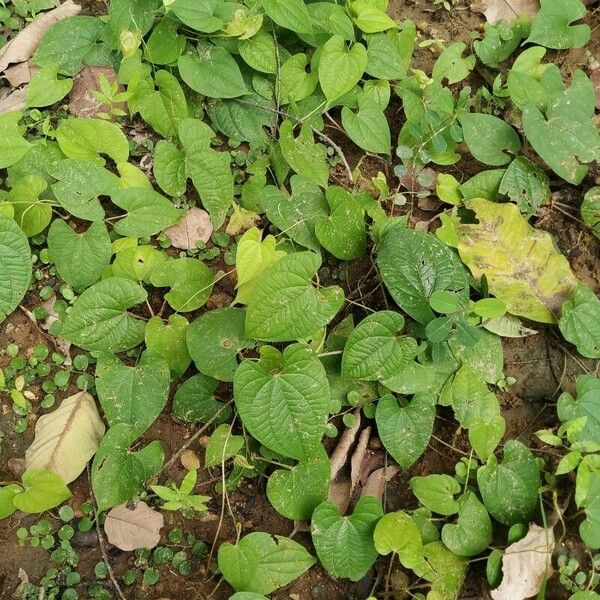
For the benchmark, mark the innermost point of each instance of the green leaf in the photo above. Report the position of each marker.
(164, 46)
(133, 395)
(565, 135)
(71, 43)
(222, 445)
(79, 258)
(344, 545)
(168, 341)
(42, 491)
(436, 492)
(367, 128)
(524, 82)
(340, 67)
(413, 265)
(296, 214)
(14, 146)
(451, 65)
(297, 491)
(370, 18)
(45, 88)
(490, 139)
(31, 213)
(283, 400)
(405, 430)
(137, 262)
(169, 168)
(526, 184)
(286, 306)
(198, 16)
(397, 532)
(588, 529)
(15, 266)
(132, 15)
(253, 596)
(586, 405)
(190, 282)
(375, 350)
(87, 139)
(195, 400)
(552, 26)
(291, 14)
(7, 496)
(446, 571)
(580, 321)
(215, 340)
(302, 154)
(260, 52)
(343, 232)
(262, 563)
(390, 53)
(510, 489)
(500, 41)
(295, 83)
(147, 212)
(590, 210)
(472, 533)
(213, 73)
(79, 184)
(99, 321)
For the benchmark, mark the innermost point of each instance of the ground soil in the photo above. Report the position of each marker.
(543, 366)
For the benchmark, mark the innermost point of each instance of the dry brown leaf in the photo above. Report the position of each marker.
(190, 461)
(358, 458)
(130, 529)
(82, 100)
(193, 228)
(13, 101)
(339, 457)
(507, 10)
(376, 481)
(20, 591)
(339, 494)
(23, 45)
(526, 564)
(19, 74)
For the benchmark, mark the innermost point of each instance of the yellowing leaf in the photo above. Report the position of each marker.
(66, 438)
(522, 265)
(132, 528)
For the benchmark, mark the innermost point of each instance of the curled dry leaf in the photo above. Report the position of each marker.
(133, 528)
(193, 228)
(505, 10)
(23, 45)
(375, 485)
(82, 100)
(66, 438)
(526, 564)
(19, 74)
(340, 454)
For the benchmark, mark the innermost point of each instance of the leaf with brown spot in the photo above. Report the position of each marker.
(193, 228)
(133, 528)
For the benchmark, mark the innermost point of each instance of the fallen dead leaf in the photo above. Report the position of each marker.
(19, 74)
(339, 456)
(13, 101)
(595, 77)
(23, 45)
(505, 10)
(193, 228)
(375, 485)
(526, 564)
(82, 100)
(190, 461)
(129, 529)
(20, 591)
(358, 459)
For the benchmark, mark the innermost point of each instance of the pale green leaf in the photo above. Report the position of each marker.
(15, 266)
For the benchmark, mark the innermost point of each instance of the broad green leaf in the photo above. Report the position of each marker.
(501, 40)
(197, 15)
(42, 490)
(213, 73)
(283, 400)
(79, 183)
(303, 155)
(286, 306)
(340, 67)
(522, 266)
(295, 214)
(397, 532)
(71, 43)
(295, 83)
(88, 139)
(297, 491)
(390, 53)
(45, 88)
(345, 545)
(14, 146)
(79, 258)
(169, 168)
(32, 213)
(552, 26)
(168, 341)
(589, 528)
(370, 18)
(262, 563)
(413, 265)
(580, 321)
(405, 429)
(137, 262)
(133, 395)
(252, 257)
(7, 496)
(195, 400)
(436, 492)
(451, 65)
(190, 282)
(510, 488)
(446, 571)
(134, 16)
(485, 184)
(118, 474)
(66, 438)
(328, 19)
(367, 128)
(586, 404)
(164, 46)
(215, 340)
(260, 52)
(291, 14)
(590, 210)
(343, 232)
(222, 446)
(15, 266)
(253, 596)
(147, 212)
(99, 321)
(564, 135)
(472, 533)
(524, 82)
(490, 139)
(526, 184)
(375, 350)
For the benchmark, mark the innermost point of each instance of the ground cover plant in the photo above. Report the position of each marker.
(299, 299)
